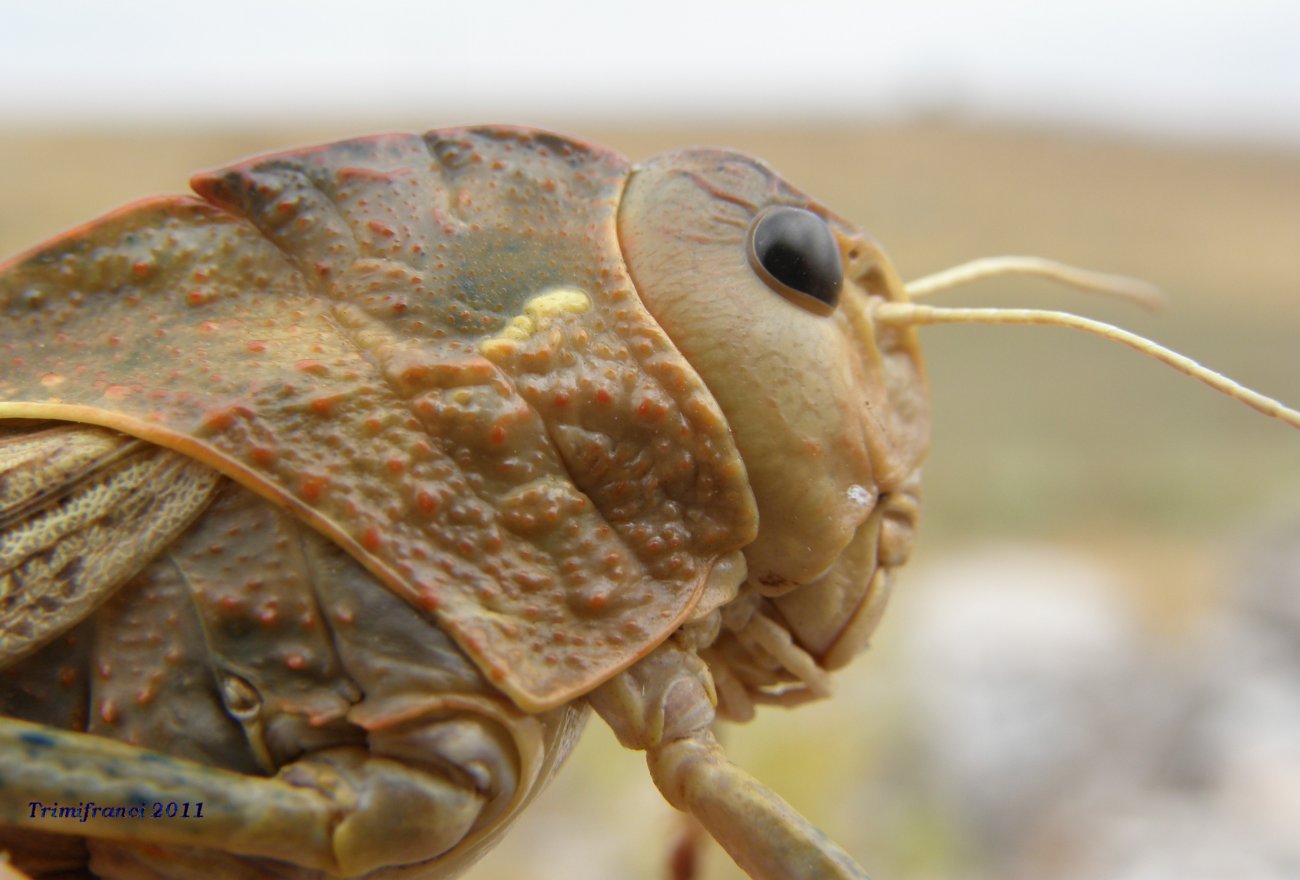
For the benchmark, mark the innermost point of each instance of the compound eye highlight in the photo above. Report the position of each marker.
(794, 252)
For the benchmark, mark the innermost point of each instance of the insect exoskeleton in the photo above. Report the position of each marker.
(330, 501)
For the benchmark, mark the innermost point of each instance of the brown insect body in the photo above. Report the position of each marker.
(332, 500)
(427, 353)
(328, 352)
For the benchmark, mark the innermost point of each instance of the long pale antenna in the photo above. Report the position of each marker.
(900, 313)
(1120, 286)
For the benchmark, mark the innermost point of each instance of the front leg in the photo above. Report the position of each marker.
(664, 706)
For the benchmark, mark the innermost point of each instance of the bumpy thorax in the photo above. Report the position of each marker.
(430, 350)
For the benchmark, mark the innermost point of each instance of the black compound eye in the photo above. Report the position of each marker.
(794, 252)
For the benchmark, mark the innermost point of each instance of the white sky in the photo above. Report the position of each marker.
(1199, 68)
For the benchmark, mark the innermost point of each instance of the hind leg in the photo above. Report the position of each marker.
(342, 810)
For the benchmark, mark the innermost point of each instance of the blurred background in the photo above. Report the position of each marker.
(1092, 666)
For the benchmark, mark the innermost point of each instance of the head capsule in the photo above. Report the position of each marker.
(771, 298)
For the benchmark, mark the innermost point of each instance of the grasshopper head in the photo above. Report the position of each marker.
(799, 326)
(771, 298)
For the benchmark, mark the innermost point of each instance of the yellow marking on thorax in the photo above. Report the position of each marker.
(537, 312)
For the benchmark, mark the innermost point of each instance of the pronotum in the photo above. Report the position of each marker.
(332, 500)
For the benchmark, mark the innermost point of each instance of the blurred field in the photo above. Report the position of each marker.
(1040, 435)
